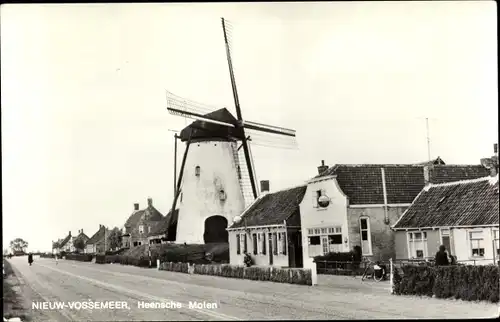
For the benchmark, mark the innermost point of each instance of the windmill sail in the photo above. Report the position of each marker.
(244, 177)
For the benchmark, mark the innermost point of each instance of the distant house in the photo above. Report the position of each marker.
(67, 244)
(161, 233)
(140, 224)
(269, 230)
(56, 246)
(81, 235)
(461, 215)
(97, 243)
(354, 205)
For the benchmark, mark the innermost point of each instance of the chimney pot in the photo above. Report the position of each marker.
(136, 206)
(322, 168)
(150, 202)
(264, 186)
(495, 148)
(70, 232)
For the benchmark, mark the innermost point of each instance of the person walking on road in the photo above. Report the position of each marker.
(442, 257)
(30, 258)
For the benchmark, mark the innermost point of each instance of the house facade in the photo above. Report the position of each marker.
(354, 205)
(140, 224)
(66, 244)
(81, 235)
(97, 243)
(269, 230)
(462, 216)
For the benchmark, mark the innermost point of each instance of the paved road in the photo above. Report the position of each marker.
(339, 297)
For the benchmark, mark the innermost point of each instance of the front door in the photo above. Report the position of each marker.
(270, 249)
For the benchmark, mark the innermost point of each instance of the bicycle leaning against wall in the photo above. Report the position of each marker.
(375, 270)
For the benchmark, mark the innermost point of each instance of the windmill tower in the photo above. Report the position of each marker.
(217, 177)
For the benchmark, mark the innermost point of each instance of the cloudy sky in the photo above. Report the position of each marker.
(85, 131)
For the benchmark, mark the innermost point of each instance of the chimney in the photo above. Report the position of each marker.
(136, 206)
(322, 168)
(150, 202)
(427, 174)
(264, 186)
(70, 232)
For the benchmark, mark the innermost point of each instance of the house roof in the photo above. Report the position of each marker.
(362, 183)
(436, 161)
(82, 235)
(162, 227)
(152, 213)
(272, 208)
(98, 236)
(65, 240)
(461, 203)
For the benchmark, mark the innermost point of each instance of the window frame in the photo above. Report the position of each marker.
(481, 243)
(255, 243)
(368, 234)
(411, 241)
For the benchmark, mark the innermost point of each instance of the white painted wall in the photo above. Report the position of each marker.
(333, 215)
(200, 195)
(279, 260)
(462, 245)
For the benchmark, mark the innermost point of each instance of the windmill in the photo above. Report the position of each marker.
(217, 179)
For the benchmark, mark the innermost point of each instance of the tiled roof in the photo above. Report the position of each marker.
(65, 241)
(273, 208)
(436, 161)
(363, 183)
(154, 215)
(162, 227)
(462, 203)
(98, 236)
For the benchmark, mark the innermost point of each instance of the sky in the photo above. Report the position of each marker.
(85, 130)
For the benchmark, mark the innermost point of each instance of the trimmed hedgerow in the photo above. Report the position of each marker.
(279, 275)
(80, 257)
(469, 283)
(174, 267)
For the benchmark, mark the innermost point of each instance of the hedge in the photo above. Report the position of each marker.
(143, 261)
(47, 256)
(174, 267)
(279, 275)
(466, 282)
(80, 257)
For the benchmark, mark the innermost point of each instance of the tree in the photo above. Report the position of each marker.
(18, 245)
(55, 245)
(114, 238)
(79, 244)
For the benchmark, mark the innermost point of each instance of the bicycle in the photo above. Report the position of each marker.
(378, 271)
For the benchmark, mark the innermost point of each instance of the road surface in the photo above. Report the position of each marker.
(338, 298)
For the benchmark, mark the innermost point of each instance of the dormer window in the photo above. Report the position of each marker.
(197, 171)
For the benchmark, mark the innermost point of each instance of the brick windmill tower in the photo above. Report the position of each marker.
(217, 177)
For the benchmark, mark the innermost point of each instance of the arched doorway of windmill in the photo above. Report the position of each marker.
(215, 230)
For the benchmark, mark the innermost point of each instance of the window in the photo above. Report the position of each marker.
(141, 229)
(316, 195)
(263, 243)
(243, 239)
(417, 243)
(238, 244)
(239, 172)
(149, 229)
(282, 242)
(275, 244)
(197, 171)
(496, 242)
(255, 244)
(325, 240)
(366, 240)
(476, 243)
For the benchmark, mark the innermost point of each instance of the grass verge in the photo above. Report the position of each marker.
(13, 303)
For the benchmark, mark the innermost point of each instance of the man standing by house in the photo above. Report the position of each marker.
(442, 257)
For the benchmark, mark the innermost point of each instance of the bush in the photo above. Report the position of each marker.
(100, 259)
(279, 275)
(470, 283)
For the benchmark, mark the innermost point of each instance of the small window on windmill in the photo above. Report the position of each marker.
(239, 172)
(197, 171)
(222, 195)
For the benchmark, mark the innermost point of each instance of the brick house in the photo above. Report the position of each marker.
(353, 205)
(66, 244)
(81, 235)
(97, 243)
(269, 229)
(140, 224)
